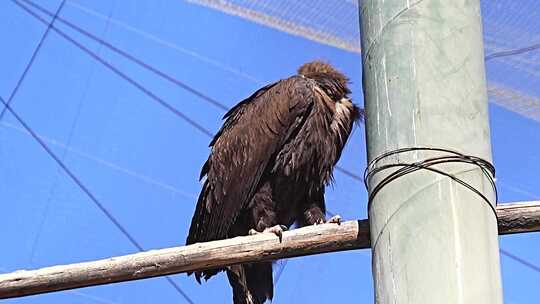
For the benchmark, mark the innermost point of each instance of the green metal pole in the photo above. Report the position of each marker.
(433, 240)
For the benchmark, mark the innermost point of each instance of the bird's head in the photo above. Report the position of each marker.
(328, 77)
(333, 82)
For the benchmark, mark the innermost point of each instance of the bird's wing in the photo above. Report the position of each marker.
(242, 151)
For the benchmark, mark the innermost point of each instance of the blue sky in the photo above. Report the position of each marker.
(141, 161)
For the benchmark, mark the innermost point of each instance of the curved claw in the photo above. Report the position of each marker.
(336, 219)
(277, 230)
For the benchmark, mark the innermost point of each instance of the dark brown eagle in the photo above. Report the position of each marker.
(269, 165)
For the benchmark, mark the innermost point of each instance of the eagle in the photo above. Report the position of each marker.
(269, 165)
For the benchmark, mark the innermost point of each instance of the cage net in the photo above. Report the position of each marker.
(511, 39)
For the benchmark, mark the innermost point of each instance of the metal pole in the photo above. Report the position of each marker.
(433, 240)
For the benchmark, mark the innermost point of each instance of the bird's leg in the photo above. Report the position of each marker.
(314, 215)
(263, 214)
(277, 230)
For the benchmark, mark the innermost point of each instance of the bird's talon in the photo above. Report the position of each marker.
(279, 234)
(277, 230)
(336, 219)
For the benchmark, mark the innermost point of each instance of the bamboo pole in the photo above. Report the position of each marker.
(518, 217)
(513, 218)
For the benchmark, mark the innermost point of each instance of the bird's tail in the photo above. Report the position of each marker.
(251, 283)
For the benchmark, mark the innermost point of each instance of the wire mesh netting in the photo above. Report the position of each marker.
(511, 36)
(126, 96)
(333, 22)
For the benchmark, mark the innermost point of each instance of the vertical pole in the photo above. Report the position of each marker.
(433, 240)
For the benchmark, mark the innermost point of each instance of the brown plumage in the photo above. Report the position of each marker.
(269, 165)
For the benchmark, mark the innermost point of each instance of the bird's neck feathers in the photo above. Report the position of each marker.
(333, 82)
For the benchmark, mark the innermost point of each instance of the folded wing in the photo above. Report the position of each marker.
(244, 150)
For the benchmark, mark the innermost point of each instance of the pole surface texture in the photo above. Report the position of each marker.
(433, 239)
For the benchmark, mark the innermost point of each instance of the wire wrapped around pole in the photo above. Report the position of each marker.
(427, 164)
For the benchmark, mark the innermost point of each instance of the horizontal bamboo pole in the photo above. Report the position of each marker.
(518, 217)
(513, 218)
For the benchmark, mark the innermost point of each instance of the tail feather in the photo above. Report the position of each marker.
(251, 283)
